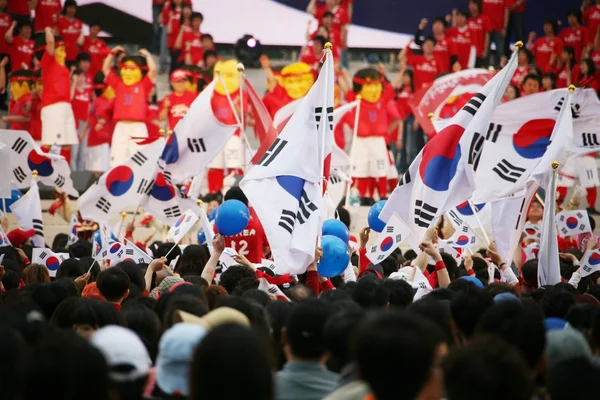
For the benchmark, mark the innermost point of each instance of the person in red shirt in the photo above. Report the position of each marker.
(20, 46)
(131, 88)
(19, 110)
(334, 33)
(189, 41)
(71, 30)
(81, 99)
(591, 18)
(35, 126)
(176, 16)
(84, 63)
(296, 80)
(587, 76)
(176, 104)
(58, 121)
(409, 140)
(369, 154)
(462, 36)
(524, 60)
(312, 54)
(575, 35)
(96, 48)
(445, 49)
(516, 23)
(5, 24)
(46, 13)
(152, 118)
(338, 29)
(497, 12)
(425, 66)
(19, 10)
(546, 49)
(480, 27)
(548, 81)
(566, 70)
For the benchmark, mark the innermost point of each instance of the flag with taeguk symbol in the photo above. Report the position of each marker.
(182, 226)
(572, 223)
(590, 262)
(48, 258)
(73, 230)
(394, 233)
(28, 210)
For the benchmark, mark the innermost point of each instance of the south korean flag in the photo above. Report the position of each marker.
(590, 262)
(394, 233)
(532, 231)
(182, 226)
(49, 259)
(464, 236)
(572, 223)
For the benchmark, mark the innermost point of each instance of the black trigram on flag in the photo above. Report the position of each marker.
(103, 205)
(475, 150)
(455, 218)
(38, 226)
(389, 229)
(141, 260)
(405, 180)
(145, 186)
(318, 116)
(171, 212)
(120, 253)
(19, 174)
(19, 145)
(43, 255)
(575, 108)
(424, 213)
(590, 139)
(273, 152)
(129, 252)
(493, 132)
(167, 175)
(333, 179)
(305, 209)
(59, 181)
(196, 145)
(473, 105)
(508, 172)
(465, 229)
(139, 158)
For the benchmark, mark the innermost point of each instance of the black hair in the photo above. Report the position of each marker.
(306, 329)
(451, 265)
(594, 291)
(134, 272)
(278, 312)
(487, 368)
(259, 296)
(197, 14)
(560, 380)
(99, 81)
(233, 275)
(140, 61)
(24, 75)
(576, 12)
(145, 323)
(40, 44)
(571, 52)
(532, 76)
(344, 215)
(182, 17)
(207, 54)
(196, 280)
(580, 317)
(400, 292)
(236, 193)
(187, 303)
(327, 14)
(192, 290)
(68, 3)
(516, 89)
(553, 23)
(11, 279)
(164, 250)
(556, 302)
(437, 312)
(192, 260)
(440, 19)
(60, 241)
(527, 53)
(594, 334)
(48, 296)
(93, 312)
(83, 56)
(240, 351)
(467, 307)
(113, 284)
(429, 39)
(529, 272)
(464, 13)
(389, 265)
(365, 73)
(478, 3)
(70, 268)
(370, 292)
(340, 333)
(386, 337)
(69, 285)
(207, 36)
(81, 248)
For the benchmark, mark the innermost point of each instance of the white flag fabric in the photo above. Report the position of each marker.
(338, 181)
(197, 138)
(182, 226)
(520, 132)
(508, 218)
(123, 186)
(274, 290)
(114, 252)
(28, 210)
(572, 223)
(548, 260)
(455, 251)
(5, 187)
(532, 231)
(464, 236)
(73, 230)
(283, 115)
(419, 280)
(4, 239)
(283, 187)
(26, 156)
(590, 262)
(139, 256)
(394, 233)
(48, 258)
(207, 228)
(442, 175)
(465, 213)
(531, 251)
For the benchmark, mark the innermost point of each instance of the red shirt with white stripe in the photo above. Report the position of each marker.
(179, 105)
(443, 49)
(479, 27)
(425, 70)
(46, 12)
(577, 38)
(98, 50)
(543, 48)
(21, 53)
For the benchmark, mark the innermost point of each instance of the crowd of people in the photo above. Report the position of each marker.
(418, 324)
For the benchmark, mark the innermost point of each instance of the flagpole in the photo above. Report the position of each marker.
(123, 215)
(324, 127)
(485, 236)
(354, 136)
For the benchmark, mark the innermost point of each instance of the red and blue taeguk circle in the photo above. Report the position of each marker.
(119, 180)
(386, 244)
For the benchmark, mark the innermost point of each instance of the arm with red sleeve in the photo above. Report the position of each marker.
(441, 273)
(338, 133)
(312, 279)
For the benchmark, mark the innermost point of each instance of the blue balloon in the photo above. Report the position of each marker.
(336, 256)
(336, 228)
(374, 222)
(213, 214)
(232, 217)
(15, 195)
(201, 237)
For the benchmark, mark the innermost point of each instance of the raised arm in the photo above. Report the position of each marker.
(312, 7)
(9, 33)
(150, 62)
(50, 45)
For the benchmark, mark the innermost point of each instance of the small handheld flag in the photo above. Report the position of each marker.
(572, 223)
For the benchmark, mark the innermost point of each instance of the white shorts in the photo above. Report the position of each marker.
(392, 172)
(122, 146)
(584, 169)
(97, 158)
(370, 158)
(231, 157)
(58, 125)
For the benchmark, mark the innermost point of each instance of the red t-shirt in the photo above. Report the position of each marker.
(424, 70)
(81, 105)
(102, 108)
(340, 16)
(589, 83)
(443, 50)
(45, 12)
(562, 75)
(276, 99)
(151, 115)
(70, 31)
(250, 242)
(402, 102)
(56, 81)
(18, 7)
(131, 102)
(576, 38)
(308, 56)
(464, 39)
(479, 27)
(5, 22)
(519, 74)
(494, 9)
(179, 106)
(595, 57)
(98, 50)
(21, 53)
(196, 51)
(174, 16)
(543, 49)
(520, 9)
(35, 126)
(21, 107)
(591, 19)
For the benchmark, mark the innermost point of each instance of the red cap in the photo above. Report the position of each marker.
(179, 75)
(18, 236)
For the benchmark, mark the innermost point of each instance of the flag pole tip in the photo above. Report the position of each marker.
(217, 71)
(555, 164)
(34, 173)
(328, 46)
(571, 88)
(240, 67)
(431, 115)
(358, 97)
(123, 214)
(518, 45)
(199, 203)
